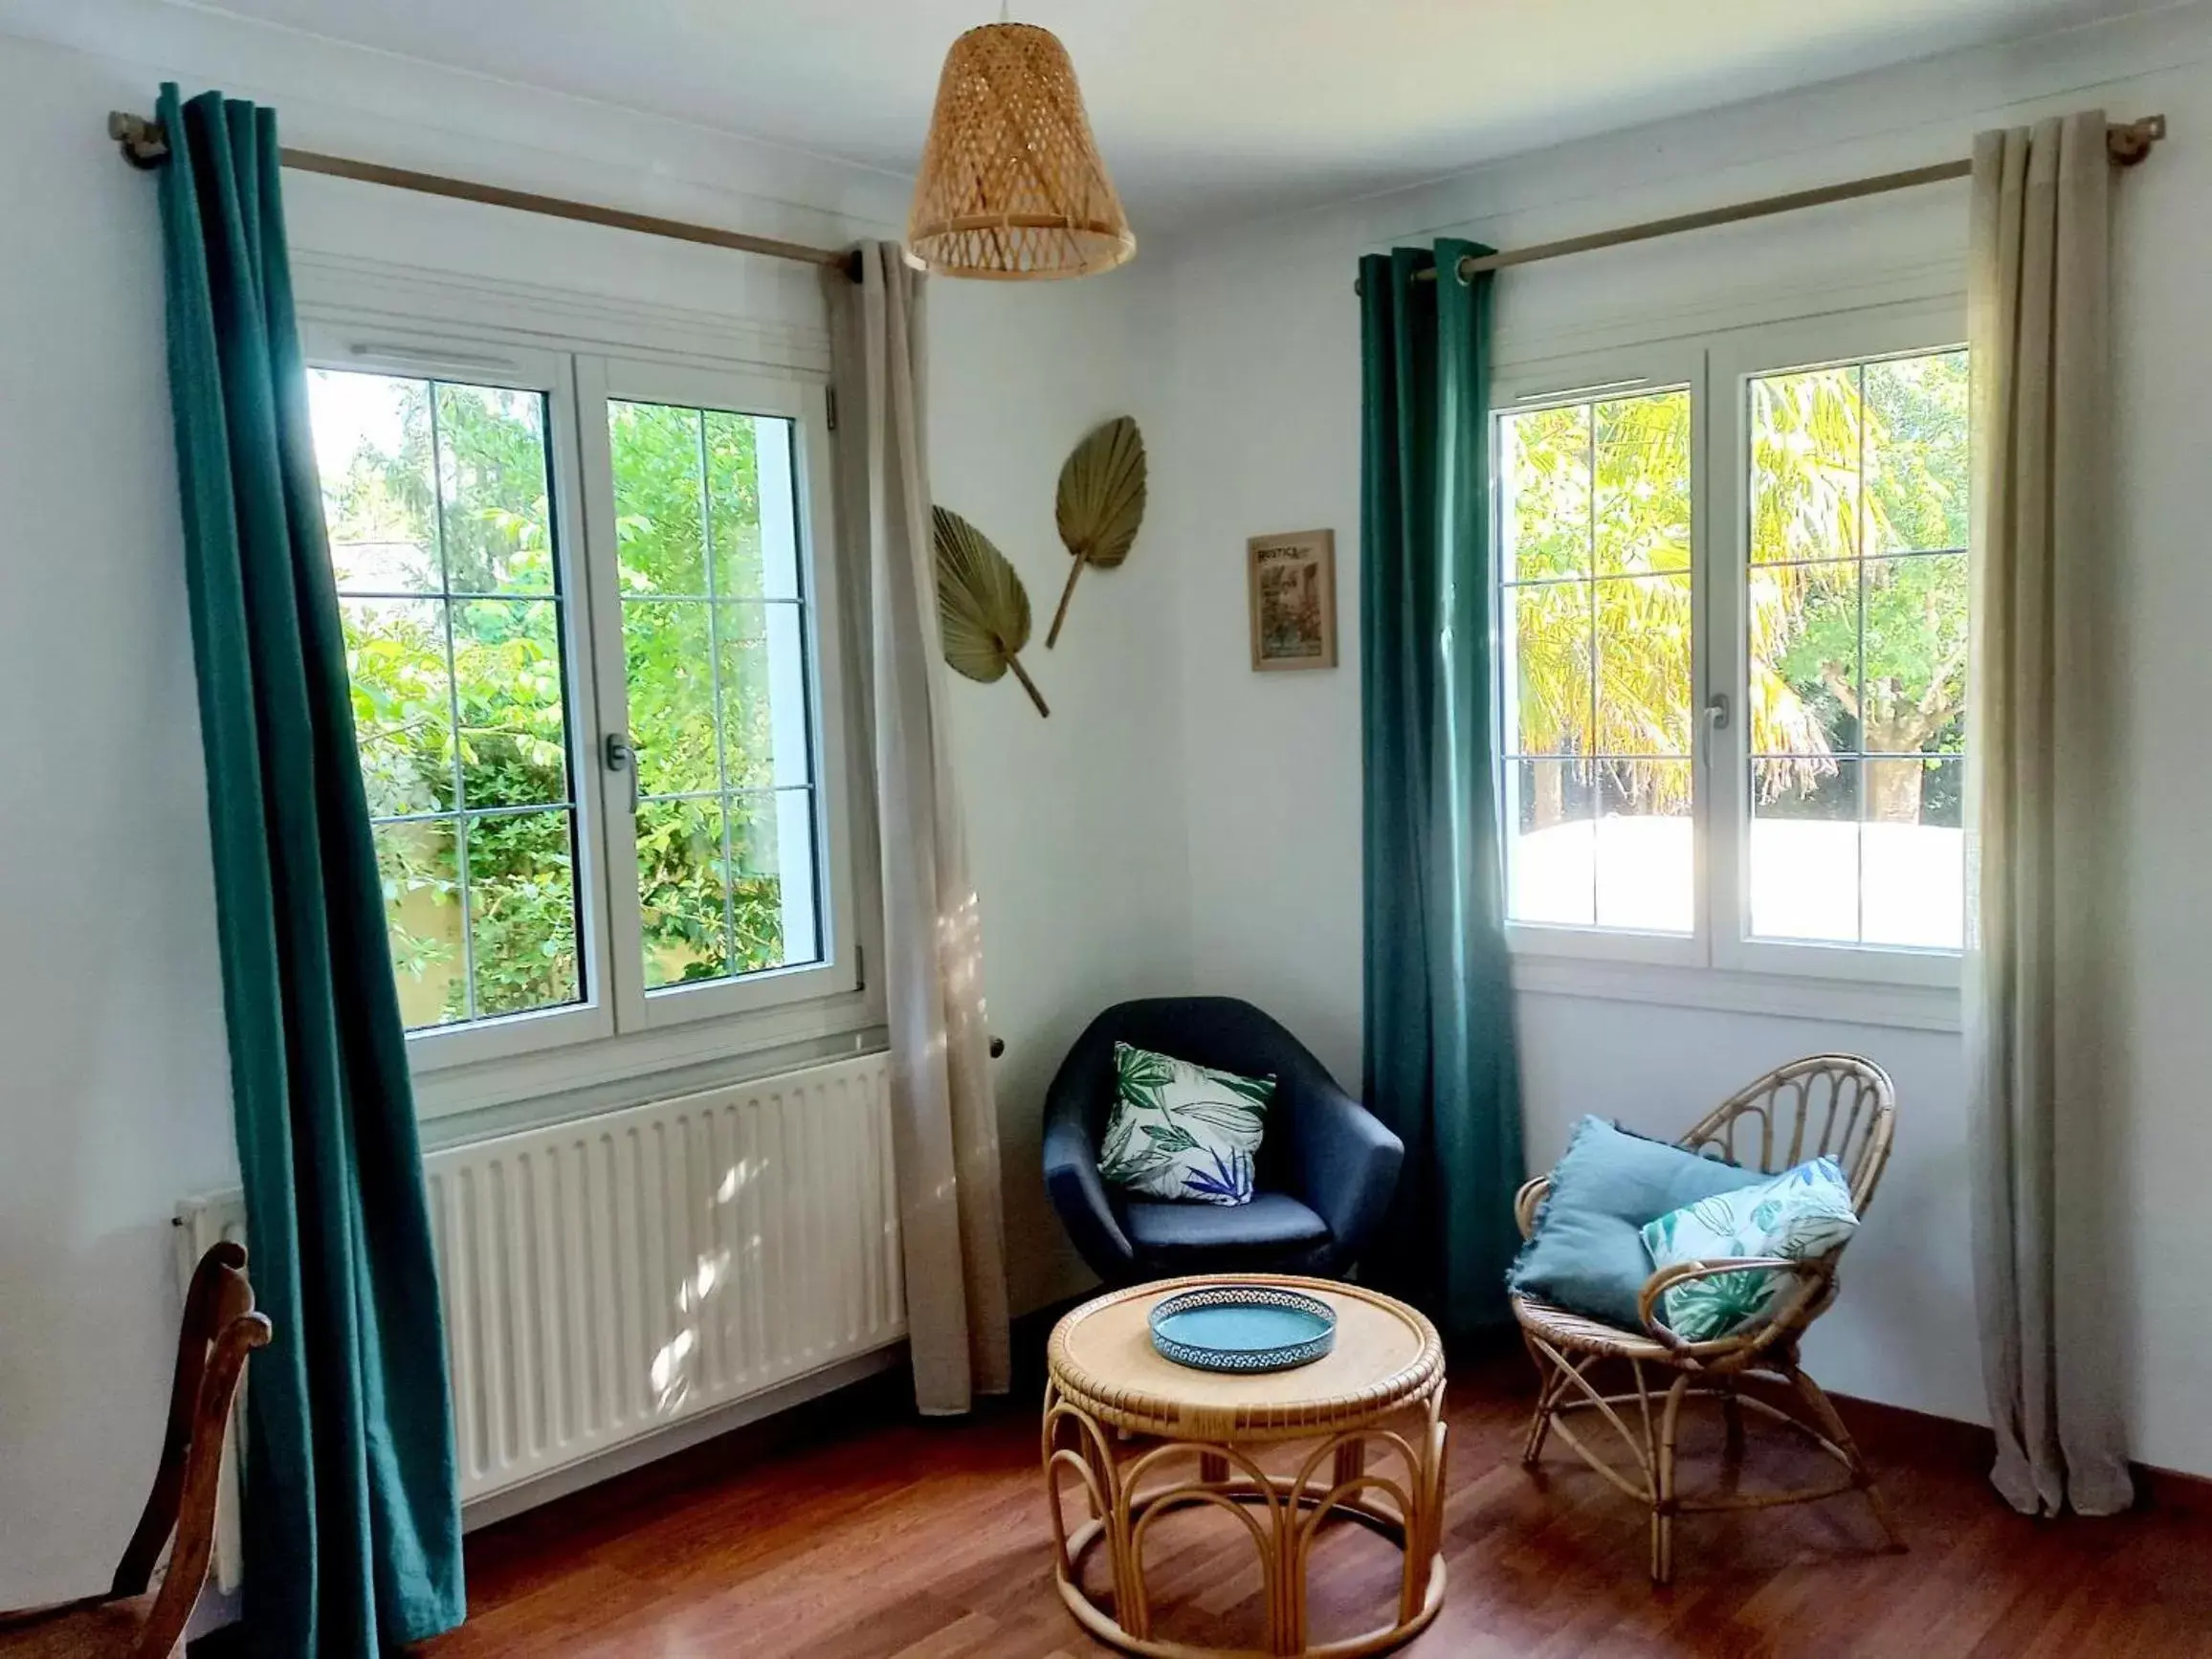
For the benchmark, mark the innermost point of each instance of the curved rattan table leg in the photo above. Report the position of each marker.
(1283, 1514)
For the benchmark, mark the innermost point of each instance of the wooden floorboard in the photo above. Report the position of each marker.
(855, 1531)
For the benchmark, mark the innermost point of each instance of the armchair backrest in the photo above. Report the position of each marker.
(1839, 1105)
(220, 1330)
(1223, 1032)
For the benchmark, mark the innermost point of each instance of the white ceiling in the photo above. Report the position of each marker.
(1202, 107)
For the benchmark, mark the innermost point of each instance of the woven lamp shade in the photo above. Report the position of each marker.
(1011, 185)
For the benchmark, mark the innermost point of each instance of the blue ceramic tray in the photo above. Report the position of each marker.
(1233, 1327)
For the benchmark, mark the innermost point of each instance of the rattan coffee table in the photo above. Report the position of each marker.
(1132, 1436)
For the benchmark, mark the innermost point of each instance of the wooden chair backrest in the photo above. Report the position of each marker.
(220, 1330)
(1840, 1105)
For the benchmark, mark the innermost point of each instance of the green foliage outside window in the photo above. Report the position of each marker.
(1852, 469)
(711, 902)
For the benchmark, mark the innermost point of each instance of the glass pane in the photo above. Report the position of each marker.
(671, 664)
(1804, 850)
(1551, 871)
(780, 575)
(773, 890)
(522, 911)
(656, 498)
(1645, 850)
(1805, 659)
(402, 712)
(491, 482)
(422, 919)
(764, 667)
(1551, 674)
(372, 451)
(1915, 853)
(507, 668)
(1547, 511)
(682, 891)
(748, 493)
(1805, 465)
(1917, 477)
(1915, 669)
(1644, 657)
(1642, 483)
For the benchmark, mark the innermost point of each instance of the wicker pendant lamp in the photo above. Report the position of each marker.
(1011, 185)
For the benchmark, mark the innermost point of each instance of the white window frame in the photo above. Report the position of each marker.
(1717, 367)
(598, 379)
(1735, 359)
(1551, 383)
(619, 1031)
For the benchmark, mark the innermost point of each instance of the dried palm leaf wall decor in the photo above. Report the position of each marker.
(982, 610)
(1101, 503)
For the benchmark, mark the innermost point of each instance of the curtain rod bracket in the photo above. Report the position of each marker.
(2129, 142)
(142, 143)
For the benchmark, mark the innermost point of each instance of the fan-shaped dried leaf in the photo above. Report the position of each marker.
(1100, 504)
(982, 608)
(1101, 501)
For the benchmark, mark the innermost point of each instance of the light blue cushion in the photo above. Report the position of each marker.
(1587, 1254)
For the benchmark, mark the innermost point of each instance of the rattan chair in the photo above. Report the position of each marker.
(1836, 1104)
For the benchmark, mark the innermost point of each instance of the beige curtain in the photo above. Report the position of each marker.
(944, 1119)
(2038, 966)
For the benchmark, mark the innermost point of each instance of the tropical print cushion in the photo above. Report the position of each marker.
(1181, 1130)
(1800, 1213)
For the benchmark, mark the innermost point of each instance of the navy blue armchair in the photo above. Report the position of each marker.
(1325, 1172)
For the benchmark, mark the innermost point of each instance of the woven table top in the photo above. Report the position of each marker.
(1386, 1356)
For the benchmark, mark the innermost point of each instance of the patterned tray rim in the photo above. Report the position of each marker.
(1235, 1292)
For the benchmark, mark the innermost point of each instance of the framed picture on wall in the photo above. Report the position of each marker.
(1293, 578)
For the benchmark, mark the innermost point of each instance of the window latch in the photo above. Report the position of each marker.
(620, 755)
(1717, 710)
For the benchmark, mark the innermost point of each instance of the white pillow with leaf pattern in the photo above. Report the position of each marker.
(1181, 1130)
(1802, 1213)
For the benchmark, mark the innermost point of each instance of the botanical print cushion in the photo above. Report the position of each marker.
(1800, 1213)
(1183, 1131)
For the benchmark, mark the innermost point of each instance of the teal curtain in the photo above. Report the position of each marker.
(353, 1524)
(1440, 1067)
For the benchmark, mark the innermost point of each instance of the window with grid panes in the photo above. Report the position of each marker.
(1733, 630)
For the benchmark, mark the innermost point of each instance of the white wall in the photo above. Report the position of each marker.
(1266, 394)
(115, 1102)
(1075, 823)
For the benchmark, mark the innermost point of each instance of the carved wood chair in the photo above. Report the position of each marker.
(138, 1619)
(1836, 1104)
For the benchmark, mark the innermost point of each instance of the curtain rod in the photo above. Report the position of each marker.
(2127, 144)
(144, 144)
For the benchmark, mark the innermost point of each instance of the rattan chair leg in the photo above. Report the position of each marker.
(1824, 1410)
(1662, 1495)
(1551, 1382)
(1730, 1421)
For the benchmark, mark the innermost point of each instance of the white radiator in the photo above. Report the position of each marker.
(606, 1277)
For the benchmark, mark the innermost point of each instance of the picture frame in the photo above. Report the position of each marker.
(1292, 582)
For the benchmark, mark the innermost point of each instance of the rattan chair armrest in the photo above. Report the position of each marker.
(1528, 1200)
(1790, 1313)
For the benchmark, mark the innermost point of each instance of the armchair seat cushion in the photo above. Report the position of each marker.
(1272, 1226)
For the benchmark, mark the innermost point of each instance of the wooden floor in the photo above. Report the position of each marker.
(888, 1538)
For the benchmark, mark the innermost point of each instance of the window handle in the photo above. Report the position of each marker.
(1717, 712)
(620, 755)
